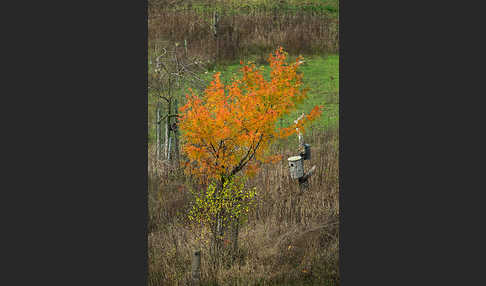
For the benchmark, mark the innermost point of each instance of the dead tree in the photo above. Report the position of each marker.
(173, 72)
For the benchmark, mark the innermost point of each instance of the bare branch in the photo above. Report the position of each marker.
(243, 163)
(170, 115)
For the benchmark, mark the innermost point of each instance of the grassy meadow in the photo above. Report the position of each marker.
(321, 76)
(290, 237)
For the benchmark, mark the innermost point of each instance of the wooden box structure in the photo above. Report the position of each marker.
(296, 167)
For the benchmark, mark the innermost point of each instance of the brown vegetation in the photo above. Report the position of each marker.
(290, 238)
(240, 35)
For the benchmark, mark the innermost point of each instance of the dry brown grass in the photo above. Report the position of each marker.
(291, 237)
(243, 35)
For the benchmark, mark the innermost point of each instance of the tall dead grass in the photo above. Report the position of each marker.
(243, 34)
(290, 238)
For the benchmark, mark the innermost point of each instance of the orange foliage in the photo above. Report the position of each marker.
(232, 125)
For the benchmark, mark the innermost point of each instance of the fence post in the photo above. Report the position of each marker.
(196, 268)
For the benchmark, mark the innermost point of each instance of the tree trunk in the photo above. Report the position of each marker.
(196, 268)
(176, 136)
(236, 232)
(167, 134)
(219, 227)
(216, 28)
(170, 148)
(157, 132)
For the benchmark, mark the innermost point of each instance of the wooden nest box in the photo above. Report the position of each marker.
(296, 167)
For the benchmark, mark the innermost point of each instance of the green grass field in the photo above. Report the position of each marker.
(321, 76)
(330, 7)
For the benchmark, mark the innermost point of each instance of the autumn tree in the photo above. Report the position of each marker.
(229, 129)
(232, 126)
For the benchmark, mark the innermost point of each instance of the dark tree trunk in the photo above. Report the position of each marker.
(158, 132)
(236, 232)
(176, 135)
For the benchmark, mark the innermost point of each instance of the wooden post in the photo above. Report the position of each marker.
(196, 268)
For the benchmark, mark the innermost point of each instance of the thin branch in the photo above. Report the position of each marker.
(242, 163)
(163, 97)
(170, 115)
(215, 152)
(209, 149)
